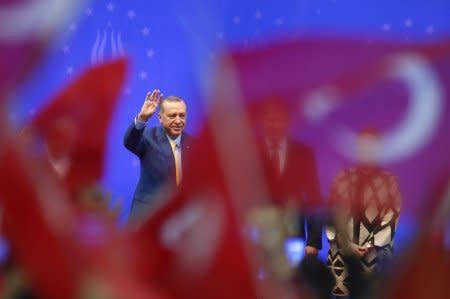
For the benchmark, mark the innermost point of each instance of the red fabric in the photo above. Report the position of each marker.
(423, 273)
(192, 246)
(353, 88)
(20, 50)
(37, 237)
(63, 254)
(76, 121)
(351, 78)
(291, 69)
(49, 241)
(298, 180)
(16, 61)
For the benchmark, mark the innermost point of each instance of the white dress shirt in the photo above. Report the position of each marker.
(279, 149)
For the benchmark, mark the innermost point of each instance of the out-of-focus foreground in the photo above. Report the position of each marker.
(310, 152)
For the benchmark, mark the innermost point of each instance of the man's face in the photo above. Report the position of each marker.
(368, 149)
(173, 117)
(275, 124)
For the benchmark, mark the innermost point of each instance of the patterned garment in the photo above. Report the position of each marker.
(367, 204)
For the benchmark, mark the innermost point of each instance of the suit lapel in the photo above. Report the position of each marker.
(166, 151)
(185, 143)
(164, 142)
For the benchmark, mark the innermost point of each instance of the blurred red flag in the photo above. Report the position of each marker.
(319, 80)
(424, 271)
(336, 87)
(38, 224)
(63, 253)
(192, 245)
(195, 244)
(48, 240)
(73, 126)
(26, 28)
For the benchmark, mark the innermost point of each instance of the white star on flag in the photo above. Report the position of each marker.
(73, 27)
(150, 53)
(279, 21)
(145, 31)
(66, 49)
(386, 27)
(110, 7)
(69, 70)
(408, 22)
(131, 14)
(89, 12)
(143, 75)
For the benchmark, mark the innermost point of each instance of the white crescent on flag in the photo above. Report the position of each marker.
(422, 118)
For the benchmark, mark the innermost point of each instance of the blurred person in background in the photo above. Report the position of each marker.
(160, 149)
(53, 149)
(365, 202)
(315, 275)
(291, 174)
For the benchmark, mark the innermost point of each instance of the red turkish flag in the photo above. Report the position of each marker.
(38, 224)
(64, 255)
(334, 88)
(195, 244)
(424, 272)
(192, 246)
(321, 82)
(26, 28)
(73, 126)
(60, 251)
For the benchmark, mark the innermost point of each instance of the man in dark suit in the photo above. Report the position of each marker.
(160, 149)
(291, 173)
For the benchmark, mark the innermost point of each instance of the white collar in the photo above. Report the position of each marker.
(177, 140)
(282, 144)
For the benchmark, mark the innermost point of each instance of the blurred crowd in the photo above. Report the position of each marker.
(213, 215)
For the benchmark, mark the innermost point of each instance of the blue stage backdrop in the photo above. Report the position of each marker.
(172, 45)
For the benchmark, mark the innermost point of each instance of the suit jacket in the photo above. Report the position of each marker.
(157, 164)
(298, 182)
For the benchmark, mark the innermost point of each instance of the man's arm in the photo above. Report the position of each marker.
(314, 232)
(338, 195)
(133, 139)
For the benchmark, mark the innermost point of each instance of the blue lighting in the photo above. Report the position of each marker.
(295, 250)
